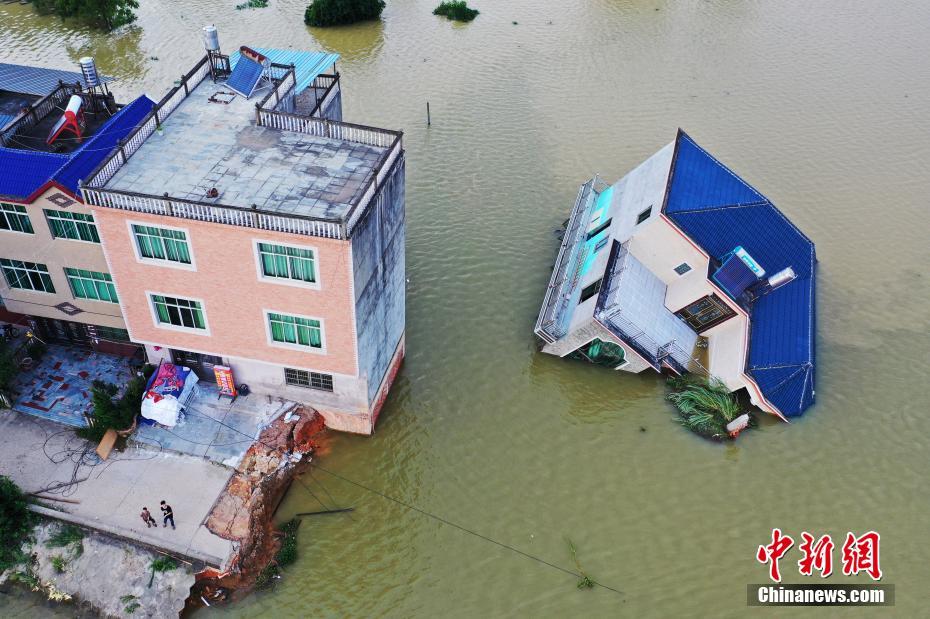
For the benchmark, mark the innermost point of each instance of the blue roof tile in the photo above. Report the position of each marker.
(719, 211)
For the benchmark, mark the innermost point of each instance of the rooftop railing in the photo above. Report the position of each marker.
(96, 193)
(34, 114)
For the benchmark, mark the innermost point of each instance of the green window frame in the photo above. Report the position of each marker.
(74, 226)
(179, 312)
(26, 275)
(285, 262)
(110, 334)
(91, 285)
(296, 330)
(162, 244)
(14, 218)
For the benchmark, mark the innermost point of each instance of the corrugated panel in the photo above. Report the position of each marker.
(307, 65)
(5, 119)
(37, 80)
(734, 276)
(719, 211)
(22, 172)
(92, 152)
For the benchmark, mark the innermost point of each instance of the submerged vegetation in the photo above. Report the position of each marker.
(104, 14)
(585, 581)
(340, 12)
(704, 405)
(252, 4)
(456, 10)
(286, 555)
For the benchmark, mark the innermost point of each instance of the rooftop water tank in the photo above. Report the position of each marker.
(782, 277)
(211, 39)
(89, 70)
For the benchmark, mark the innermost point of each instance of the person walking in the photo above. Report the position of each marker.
(147, 518)
(168, 514)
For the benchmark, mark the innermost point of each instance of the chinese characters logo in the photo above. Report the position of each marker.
(859, 554)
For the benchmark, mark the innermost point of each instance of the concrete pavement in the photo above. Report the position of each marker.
(39, 454)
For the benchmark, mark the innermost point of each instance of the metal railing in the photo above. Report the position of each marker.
(559, 292)
(327, 83)
(31, 116)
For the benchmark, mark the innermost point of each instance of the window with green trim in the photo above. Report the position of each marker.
(285, 262)
(178, 312)
(26, 275)
(91, 285)
(75, 226)
(295, 330)
(111, 334)
(14, 218)
(162, 244)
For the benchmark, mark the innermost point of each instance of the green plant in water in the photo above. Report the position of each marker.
(131, 607)
(456, 10)
(125, 599)
(705, 406)
(340, 12)
(164, 564)
(59, 563)
(252, 4)
(287, 554)
(585, 581)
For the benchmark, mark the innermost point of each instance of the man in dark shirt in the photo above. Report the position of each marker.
(168, 513)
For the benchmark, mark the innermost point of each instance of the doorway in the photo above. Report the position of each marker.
(201, 364)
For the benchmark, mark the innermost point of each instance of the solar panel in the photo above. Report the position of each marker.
(245, 76)
(734, 276)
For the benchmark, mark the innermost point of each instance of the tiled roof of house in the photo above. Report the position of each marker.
(720, 211)
(24, 172)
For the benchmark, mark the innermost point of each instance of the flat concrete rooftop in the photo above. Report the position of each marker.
(203, 144)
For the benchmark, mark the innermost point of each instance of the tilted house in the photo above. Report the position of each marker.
(682, 266)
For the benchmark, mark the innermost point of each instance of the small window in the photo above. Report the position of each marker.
(284, 262)
(598, 230)
(644, 215)
(179, 312)
(162, 244)
(91, 285)
(590, 290)
(601, 244)
(26, 275)
(310, 380)
(74, 226)
(296, 330)
(14, 218)
(683, 268)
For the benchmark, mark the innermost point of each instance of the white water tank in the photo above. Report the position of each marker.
(89, 70)
(211, 39)
(782, 277)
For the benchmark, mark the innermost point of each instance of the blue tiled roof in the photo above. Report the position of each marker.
(23, 172)
(719, 211)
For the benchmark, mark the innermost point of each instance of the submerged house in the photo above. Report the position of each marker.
(682, 266)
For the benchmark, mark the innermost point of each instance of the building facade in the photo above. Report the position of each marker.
(242, 231)
(683, 267)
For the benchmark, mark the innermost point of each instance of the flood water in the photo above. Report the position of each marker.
(823, 106)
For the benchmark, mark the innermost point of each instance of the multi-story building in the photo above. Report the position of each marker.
(245, 225)
(56, 280)
(683, 266)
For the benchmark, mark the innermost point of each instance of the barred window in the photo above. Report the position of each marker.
(112, 334)
(285, 262)
(162, 244)
(26, 275)
(179, 312)
(296, 330)
(14, 218)
(91, 285)
(310, 380)
(75, 226)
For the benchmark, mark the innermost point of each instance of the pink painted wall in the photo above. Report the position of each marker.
(226, 280)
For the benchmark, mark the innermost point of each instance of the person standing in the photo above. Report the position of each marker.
(168, 514)
(147, 518)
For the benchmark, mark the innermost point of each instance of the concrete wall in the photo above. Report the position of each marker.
(56, 254)
(587, 330)
(380, 280)
(225, 278)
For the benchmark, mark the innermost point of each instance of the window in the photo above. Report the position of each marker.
(683, 268)
(13, 217)
(91, 285)
(601, 244)
(590, 290)
(110, 334)
(162, 244)
(284, 262)
(644, 215)
(311, 380)
(76, 226)
(178, 312)
(295, 330)
(26, 275)
(593, 233)
(705, 313)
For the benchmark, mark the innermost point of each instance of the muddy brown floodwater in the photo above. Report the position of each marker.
(823, 106)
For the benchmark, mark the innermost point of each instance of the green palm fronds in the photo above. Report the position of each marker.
(705, 405)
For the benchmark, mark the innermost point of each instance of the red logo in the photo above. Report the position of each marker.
(860, 554)
(773, 552)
